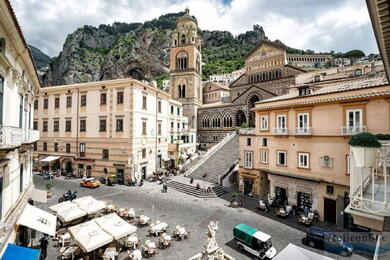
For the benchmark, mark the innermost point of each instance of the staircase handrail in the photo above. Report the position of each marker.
(212, 151)
(223, 176)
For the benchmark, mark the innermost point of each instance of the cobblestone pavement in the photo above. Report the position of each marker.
(176, 208)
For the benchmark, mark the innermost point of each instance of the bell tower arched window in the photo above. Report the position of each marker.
(182, 91)
(183, 39)
(181, 60)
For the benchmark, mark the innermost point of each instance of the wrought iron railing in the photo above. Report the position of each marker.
(352, 130)
(303, 131)
(281, 131)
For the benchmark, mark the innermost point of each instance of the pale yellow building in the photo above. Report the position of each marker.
(298, 151)
(116, 127)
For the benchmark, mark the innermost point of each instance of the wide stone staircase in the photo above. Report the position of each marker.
(219, 161)
(189, 189)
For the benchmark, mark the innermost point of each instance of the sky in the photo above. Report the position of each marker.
(320, 25)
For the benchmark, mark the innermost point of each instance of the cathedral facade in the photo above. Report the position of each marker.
(267, 74)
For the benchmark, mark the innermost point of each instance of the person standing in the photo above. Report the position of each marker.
(43, 243)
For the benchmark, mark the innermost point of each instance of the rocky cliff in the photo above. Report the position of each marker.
(140, 51)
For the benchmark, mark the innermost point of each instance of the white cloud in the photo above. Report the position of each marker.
(321, 25)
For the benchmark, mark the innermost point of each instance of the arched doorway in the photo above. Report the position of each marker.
(67, 166)
(251, 104)
(89, 171)
(240, 118)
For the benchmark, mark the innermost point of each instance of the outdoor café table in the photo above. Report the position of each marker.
(65, 238)
(131, 213)
(110, 208)
(132, 241)
(151, 245)
(110, 253)
(136, 255)
(144, 218)
(159, 228)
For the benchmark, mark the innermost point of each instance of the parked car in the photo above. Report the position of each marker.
(90, 183)
(252, 240)
(327, 241)
(110, 180)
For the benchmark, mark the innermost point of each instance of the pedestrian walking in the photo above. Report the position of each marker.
(191, 180)
(43, 243)
(204, 176)
(166, 188)
(197, 186)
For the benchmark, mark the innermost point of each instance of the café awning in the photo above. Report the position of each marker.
(71, 214)
(89, 204)
(62, 206)
(14, 252)
(38, 219)
(39, 195)
(115, 226)
(50, 158)
(89, 236)
(292, 251)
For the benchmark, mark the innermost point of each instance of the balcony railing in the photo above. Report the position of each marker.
(14, 136)
(303, 131)
(247, 131)
(352, 130)
(281, 131)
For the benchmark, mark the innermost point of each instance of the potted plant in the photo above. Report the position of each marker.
(364, 148)
(48, 187)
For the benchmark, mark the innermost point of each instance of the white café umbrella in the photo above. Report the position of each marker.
(70, 214)
(62, 206)
(115, 226)
(89, 236)
(90, 204)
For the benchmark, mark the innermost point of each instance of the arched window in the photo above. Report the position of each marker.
(183, 39)
(182, 91)
(181, 60)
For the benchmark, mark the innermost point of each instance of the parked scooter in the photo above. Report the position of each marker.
(48, 176)
(68, 196)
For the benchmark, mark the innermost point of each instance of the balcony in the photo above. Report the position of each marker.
(246, 131)
(302, 131)
(352, 130)
(370, 190)
(281, 131)
(11, 137)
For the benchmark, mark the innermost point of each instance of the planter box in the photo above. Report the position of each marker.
(364, 156)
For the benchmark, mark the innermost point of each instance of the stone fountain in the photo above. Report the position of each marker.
(211, 250)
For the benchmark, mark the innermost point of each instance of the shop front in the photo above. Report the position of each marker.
(249, 183)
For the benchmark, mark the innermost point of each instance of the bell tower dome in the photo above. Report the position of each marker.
(186, 66)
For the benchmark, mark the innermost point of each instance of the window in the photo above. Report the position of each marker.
(303, 123)
(304, 91)
(358, 72)
(303, 160)
(248, 158)
(35, 146)
(69, 101)
(182, 91)
(172, 126)
(45, 103)
(102, 125)
(68, 148)
(178, 111)
(172, 110)
(57, 102)
(143, 153)
(55, 147)
(45, 147)
(281, 123)
(68, 125)
(119, 125)
(35, 104)
(181, 60)
(56, 126)
(119, 98)
(354, 121)
(178, 126)
(103, 98)
(159, 106)
(83, 100)
(105, 154)
(159, 129)
(281, 158)
(144, 100)
(248, 141)
(144, 128)
(83, 125)
(82, 149)
(172, 139)
(44, 127)
(317, 78)
(35, 125)
(263, 156)
(329, 189)
(264, 123)
(264, 142)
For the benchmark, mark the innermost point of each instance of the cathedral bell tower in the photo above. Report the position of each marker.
(186, 66)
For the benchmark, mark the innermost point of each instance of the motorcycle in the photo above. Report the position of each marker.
(69, 175)
(68, 196)
(48, 176)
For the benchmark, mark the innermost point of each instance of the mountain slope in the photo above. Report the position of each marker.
(140, 51)
(40, 58)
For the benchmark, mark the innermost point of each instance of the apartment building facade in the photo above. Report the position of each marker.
(102, 128)
(298, 150)
(19, 84)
